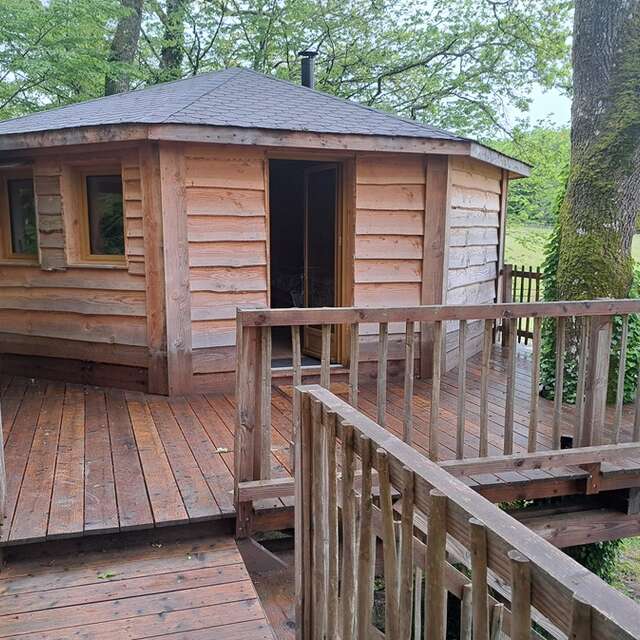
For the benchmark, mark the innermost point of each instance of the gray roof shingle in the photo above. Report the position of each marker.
(233, 98)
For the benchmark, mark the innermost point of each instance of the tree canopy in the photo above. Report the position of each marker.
(455, 63)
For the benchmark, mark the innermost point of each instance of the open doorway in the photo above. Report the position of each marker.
(304, 210)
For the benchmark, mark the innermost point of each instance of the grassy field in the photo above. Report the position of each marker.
(627, 577)
(525, 245)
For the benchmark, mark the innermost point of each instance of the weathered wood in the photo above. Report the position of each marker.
(383, 352)
(622, 367)
(497, 616)
(466, 614)
(434, 422)
(325, 361)
(405, 583)
(331, 466)
(354, 357)
(520, 596)
(559, 383)
(435, 621)
(580, 620)
(365, 546)
(265, 403)
(511, 391)
(296, 361)
(535, 385)
(585, 330)
(391, 612)
(348, 577)
(408, 382)
(462, 388)
(479, 598)
(484, 387)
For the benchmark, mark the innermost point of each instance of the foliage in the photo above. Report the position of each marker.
(453, 63)
(600, 557)
(533, 199)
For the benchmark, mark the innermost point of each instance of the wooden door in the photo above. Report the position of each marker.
(320, 249)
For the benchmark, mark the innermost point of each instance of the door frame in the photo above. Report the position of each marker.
(345, 230)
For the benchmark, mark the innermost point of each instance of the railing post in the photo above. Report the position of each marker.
(3, 478)
(596, 381)
(507, 296)
(253, 422)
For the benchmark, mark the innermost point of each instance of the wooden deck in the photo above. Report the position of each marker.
(86, 460)
(192, 590)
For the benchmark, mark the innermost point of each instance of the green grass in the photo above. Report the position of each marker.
(526, 245)
(627, 578)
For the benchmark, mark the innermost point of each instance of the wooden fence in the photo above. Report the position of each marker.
(522, 284)
(587, 325)
(364, 499)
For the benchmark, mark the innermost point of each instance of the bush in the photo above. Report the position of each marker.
(601, 557)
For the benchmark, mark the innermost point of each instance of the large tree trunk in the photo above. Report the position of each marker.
(597, 218)
(124, 46)
(171, 54)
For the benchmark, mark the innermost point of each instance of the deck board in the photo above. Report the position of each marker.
(195, 589)
(93, 460)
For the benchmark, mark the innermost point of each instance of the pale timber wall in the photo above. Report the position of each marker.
(475, 192)
(52, 308)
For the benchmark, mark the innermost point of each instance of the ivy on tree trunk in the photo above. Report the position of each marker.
(598, 215)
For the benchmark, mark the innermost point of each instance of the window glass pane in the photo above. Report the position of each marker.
(22, 215)
(106, 228)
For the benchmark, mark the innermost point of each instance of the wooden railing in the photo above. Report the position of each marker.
(364, 499)
(522, 284)
(586, 326)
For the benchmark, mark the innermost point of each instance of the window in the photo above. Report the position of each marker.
(104, 219)
(19, 229)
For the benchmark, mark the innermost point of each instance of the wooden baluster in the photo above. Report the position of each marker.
(509, 408)
(325, 358)
(520, 596)
(3, 480)
(392, 623)
(265, 401)
(497, 616)
(622, 369)
(319, 522)
(466, 614)
(347, 601)
(409, 362)
(434, 422)
(521, 321)
(417, 604)
(296, 361)
(507, 296)
(383, 349)
(559, 387)
(405, 595)
(585, 330)
(304, 543)
(435, 619)
(535, 385)
(529, 281)
(332, 492)
(462, 387)
(479, 598)
(580, 619)
(365, 546)
(487, 344)
(354, 357)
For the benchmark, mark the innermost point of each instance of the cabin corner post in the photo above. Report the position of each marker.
(149, 159)
(176, 267)
(435, 248)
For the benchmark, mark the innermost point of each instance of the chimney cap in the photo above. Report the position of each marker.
(308, 53)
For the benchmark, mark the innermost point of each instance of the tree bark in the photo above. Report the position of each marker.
(124, 46)
(171, 54)
(597, 217)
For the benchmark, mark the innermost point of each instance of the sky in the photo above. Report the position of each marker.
(551, 105)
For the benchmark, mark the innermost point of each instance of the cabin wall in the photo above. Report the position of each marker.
(476, 198)
(62, 320)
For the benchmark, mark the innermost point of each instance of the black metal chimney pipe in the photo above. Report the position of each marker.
(308, 68)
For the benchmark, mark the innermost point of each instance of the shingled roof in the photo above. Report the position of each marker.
(229, 98)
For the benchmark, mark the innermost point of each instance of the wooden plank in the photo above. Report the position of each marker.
(348, 577)
(484, 388)
(405, 582)
(559, 382)
(480, 594)
(511, 389)
(409, 362)
(134, 511)
(366, 550)
(32, 509)
(520, 596)
(325, 358)
(66, 516)
(100, 507)
(535, 385)
(622, 367)
(580, 620)
(354, 361)
(176, 267)
(331, 466)
(383, 352)
(154, 274)
(434, 422)
(435, 593)
(164, 495)
(462, 388)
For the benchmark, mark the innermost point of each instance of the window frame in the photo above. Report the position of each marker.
(6, 244)
(84, 245)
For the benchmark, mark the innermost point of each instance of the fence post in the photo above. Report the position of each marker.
(253, 425)
(507, 296)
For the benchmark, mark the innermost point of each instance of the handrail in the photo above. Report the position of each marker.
(436, 337)
(332, 542)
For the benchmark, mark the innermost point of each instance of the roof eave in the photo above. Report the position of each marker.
(263, 137)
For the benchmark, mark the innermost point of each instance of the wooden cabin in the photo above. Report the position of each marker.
(133, 226)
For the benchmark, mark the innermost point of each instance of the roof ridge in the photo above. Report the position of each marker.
(352, 103)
